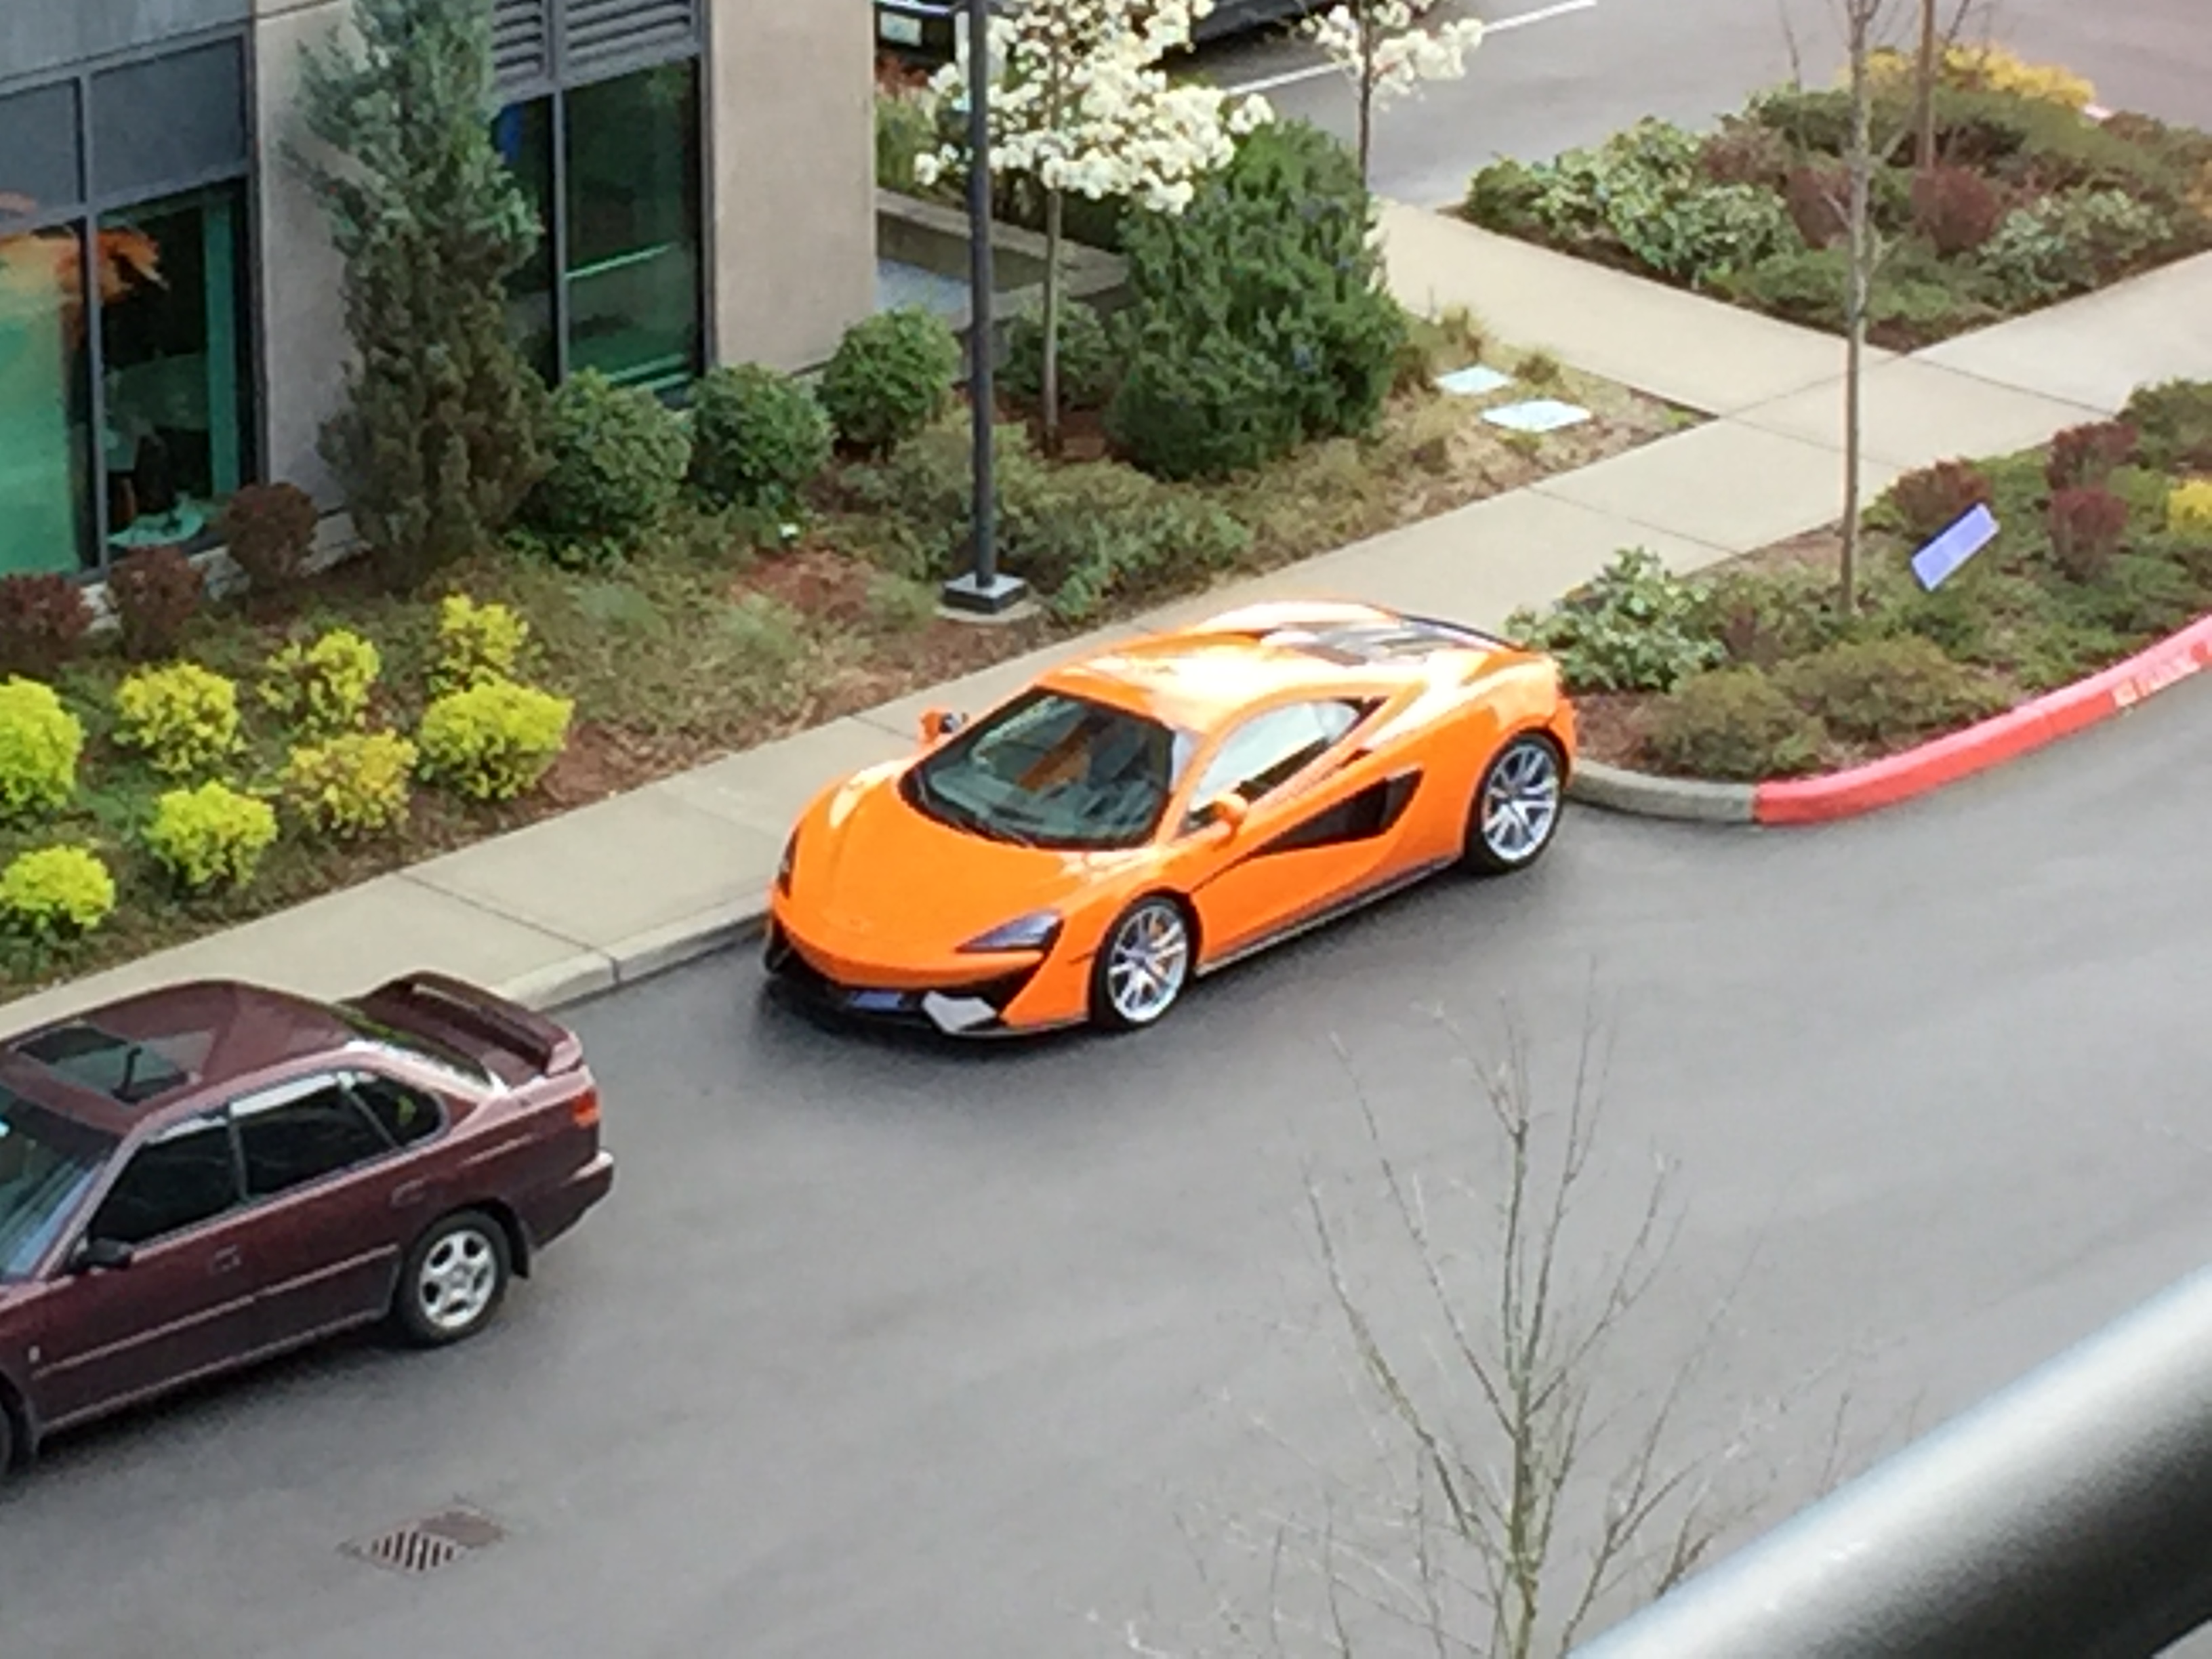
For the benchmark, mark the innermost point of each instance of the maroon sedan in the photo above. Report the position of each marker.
(198, 1176)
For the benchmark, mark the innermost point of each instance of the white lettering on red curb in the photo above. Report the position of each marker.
(2152, 681)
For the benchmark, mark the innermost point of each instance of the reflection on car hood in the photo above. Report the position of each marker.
(871, 867)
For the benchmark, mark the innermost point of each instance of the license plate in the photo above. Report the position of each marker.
(877, 1002)
(898, 28)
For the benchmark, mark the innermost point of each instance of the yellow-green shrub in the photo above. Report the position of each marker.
(323, 686)
(353, 785)
(183, 718)
(52, 894)
(39, 744)
(212, 836)
(1987, 69)
(475, 643)
(495, 740)
(2189, 509)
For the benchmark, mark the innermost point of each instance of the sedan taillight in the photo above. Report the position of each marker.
(584, 1110)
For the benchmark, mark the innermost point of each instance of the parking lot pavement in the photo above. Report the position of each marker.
(892, 1349)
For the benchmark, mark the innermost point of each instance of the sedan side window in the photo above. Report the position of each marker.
(186, 1178)
(1269, 749)
(406, 1115)
(299, 1136)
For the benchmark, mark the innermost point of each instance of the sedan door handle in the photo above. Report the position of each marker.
(224, 1261)
(408, 1193)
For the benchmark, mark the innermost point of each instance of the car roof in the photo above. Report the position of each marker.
(116, 1065)
(1202, 678)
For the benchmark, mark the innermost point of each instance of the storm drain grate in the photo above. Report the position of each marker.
(435, 1542)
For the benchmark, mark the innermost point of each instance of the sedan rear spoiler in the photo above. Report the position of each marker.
(426, 999)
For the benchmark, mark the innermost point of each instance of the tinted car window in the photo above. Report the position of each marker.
(406, 1115)
(185, 1178)
(46, 1164)
(304, 1140)
(1269, 749)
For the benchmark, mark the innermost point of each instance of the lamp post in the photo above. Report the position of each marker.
(983, 589)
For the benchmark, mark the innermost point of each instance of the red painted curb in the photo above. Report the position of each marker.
(1916, 771)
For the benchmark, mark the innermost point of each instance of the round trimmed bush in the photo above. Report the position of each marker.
(1085, 356)
(323, 686)
(495, 740)
(51, 895)
(892, 374)
(1882, 690)
(354, 785)
(477, 642)
(43, 617)
(757, 437)
(210, 837)
(40, 742)
(618, 456)
(183, 718)
(1733, 724)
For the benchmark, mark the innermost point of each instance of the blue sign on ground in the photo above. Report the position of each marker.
(1941, 557)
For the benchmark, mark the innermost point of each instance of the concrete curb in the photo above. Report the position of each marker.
(593, 973)
(1918, 771)
(1644, 794)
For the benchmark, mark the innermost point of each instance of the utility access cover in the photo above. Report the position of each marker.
(436, 1540)
(1539, 415)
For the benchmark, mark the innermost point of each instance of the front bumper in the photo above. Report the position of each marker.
(978, 1007)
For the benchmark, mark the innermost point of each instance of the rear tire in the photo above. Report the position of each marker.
(1515, 815)
(453, 1279)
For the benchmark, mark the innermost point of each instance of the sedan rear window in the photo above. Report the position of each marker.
(47, 1163)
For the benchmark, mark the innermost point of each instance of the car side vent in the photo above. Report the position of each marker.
(129, 1073)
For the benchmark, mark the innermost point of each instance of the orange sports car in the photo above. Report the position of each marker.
(1158, 810)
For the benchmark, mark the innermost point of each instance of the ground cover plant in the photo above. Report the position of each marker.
(1751, 670)
(2029, 199)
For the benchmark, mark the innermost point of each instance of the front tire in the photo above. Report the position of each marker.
(453, 1279)
(1144, 964)
(1515, 814)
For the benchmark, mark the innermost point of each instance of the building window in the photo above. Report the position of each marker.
(126, 384)
(613, 168)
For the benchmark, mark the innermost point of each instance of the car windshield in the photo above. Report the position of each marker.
(1054, 771)
(47, 1163)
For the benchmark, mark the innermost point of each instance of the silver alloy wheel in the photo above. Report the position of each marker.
(1521, 801)
(459, 1280)
(1147, 962)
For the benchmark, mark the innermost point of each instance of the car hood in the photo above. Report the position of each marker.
(890, 879)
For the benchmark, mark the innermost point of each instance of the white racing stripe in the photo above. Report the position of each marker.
(1315, 72)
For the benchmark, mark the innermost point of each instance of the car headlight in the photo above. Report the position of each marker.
(1034, 932)
(783, 870)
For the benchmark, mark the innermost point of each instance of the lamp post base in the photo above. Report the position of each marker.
(968, 597)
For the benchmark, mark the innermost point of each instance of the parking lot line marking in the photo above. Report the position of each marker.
(1315, 72)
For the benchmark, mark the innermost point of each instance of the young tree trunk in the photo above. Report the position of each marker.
(1054, 202)
(1368, 43)
(1924, 91)
(1861, 20)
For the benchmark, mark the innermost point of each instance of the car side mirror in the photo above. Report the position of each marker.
(106, 1255)
(938, 723)
(1228, 811)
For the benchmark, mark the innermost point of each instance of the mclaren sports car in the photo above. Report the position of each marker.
(1145, 815)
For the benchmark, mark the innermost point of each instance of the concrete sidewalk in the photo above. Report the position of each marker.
(604, 894)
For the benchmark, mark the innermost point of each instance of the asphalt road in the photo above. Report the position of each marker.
(1570, 79)
(885, 1349)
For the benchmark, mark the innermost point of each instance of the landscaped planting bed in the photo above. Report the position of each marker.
(2030, 201)
(1751, 670)
(681, 587)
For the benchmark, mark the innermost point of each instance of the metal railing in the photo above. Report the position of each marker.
(2067, 1516)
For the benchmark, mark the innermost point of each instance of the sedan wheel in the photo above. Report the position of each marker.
(1517, 806)
(1142, 971)
(454, 1279)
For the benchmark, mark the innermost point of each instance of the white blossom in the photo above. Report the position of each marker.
(1080, 104)
(1387, 48)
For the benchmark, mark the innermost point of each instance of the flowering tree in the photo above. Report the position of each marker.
(1078, 102)
(1388, 51)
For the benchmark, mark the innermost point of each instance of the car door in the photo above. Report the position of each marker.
(182, 1304)
(336, 1202)
(1298, 851)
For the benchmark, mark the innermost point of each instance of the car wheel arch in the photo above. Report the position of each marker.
(517, 1235)
(20, 1437)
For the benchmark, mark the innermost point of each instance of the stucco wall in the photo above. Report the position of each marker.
(792, 185)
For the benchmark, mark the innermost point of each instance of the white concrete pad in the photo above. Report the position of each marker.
(1915, 412)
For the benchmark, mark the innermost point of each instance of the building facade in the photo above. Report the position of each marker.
(170, 316)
